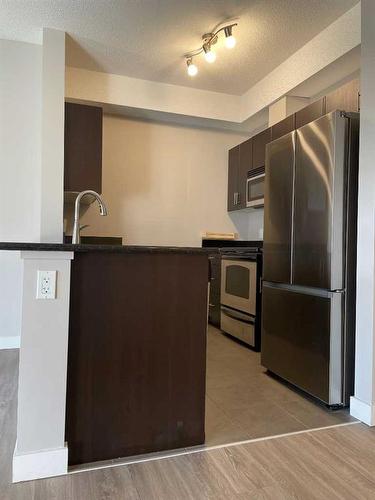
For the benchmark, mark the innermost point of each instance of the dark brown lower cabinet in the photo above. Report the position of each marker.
(215, 289)
(137, 354)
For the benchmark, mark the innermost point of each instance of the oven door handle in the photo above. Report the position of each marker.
(238, 316)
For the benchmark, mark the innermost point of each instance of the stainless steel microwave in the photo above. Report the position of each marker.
(255, 188)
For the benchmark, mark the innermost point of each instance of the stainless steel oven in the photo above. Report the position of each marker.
(240, 283)
(255, 188)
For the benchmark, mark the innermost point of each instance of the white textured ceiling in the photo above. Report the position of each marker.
(147, 38)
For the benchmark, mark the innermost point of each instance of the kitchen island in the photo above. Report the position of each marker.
(129, 326)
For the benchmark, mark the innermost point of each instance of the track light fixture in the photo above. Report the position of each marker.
(210, 39)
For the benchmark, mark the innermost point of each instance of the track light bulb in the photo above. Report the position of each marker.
(230, 41)
(209, 54)
(191, 67)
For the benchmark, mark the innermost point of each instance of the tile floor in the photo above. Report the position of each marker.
(244, 402)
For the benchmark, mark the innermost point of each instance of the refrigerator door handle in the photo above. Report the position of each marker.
(318, 292)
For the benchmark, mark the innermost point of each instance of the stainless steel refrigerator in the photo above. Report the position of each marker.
(309, 257)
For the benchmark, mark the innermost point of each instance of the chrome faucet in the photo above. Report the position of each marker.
(76, 238)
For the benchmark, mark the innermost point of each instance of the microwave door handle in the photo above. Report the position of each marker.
(255, 177)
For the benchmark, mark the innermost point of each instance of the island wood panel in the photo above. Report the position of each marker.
(137, 354)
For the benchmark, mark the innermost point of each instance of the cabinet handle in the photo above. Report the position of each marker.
(359, 102)
(234, 199)
(238, 198)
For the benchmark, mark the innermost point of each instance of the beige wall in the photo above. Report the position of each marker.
(166, 184)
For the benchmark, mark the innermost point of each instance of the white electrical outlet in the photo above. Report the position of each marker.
(46, 285)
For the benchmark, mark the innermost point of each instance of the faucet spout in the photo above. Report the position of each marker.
(76, 238)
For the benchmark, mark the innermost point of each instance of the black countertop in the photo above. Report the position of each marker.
(126, 249)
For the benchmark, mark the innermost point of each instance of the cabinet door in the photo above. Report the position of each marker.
(246, 152)
(310, 113)
(345, 98)
(283, 127)
(215, 285)
(233, 167)
(83, 147)
(259, 148)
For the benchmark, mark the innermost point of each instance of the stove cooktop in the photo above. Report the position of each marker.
(241, 251)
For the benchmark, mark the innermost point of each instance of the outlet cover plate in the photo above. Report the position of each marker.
(46, 285)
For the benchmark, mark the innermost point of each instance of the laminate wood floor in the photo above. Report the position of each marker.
(335, 463)
(244, 402)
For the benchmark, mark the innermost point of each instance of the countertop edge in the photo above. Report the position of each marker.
(126, 249)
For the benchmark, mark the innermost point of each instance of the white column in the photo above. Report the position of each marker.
(53, 96)
(20, 172)
(362, 405)
(40, 448)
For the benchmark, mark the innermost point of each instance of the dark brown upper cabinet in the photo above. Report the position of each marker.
(239, 163)
(311, 112)
(83, 147)
(246, 158)
(248, 155)
(251, 154)
(259, 148)
(345, 98)
(283, 127)
(233, 168)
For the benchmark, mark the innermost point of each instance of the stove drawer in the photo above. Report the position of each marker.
(238, 325)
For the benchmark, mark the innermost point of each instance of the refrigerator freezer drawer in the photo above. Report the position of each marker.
(302, 340)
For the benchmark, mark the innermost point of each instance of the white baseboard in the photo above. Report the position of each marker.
(363, 411)
(10, 342)
(45, 463)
